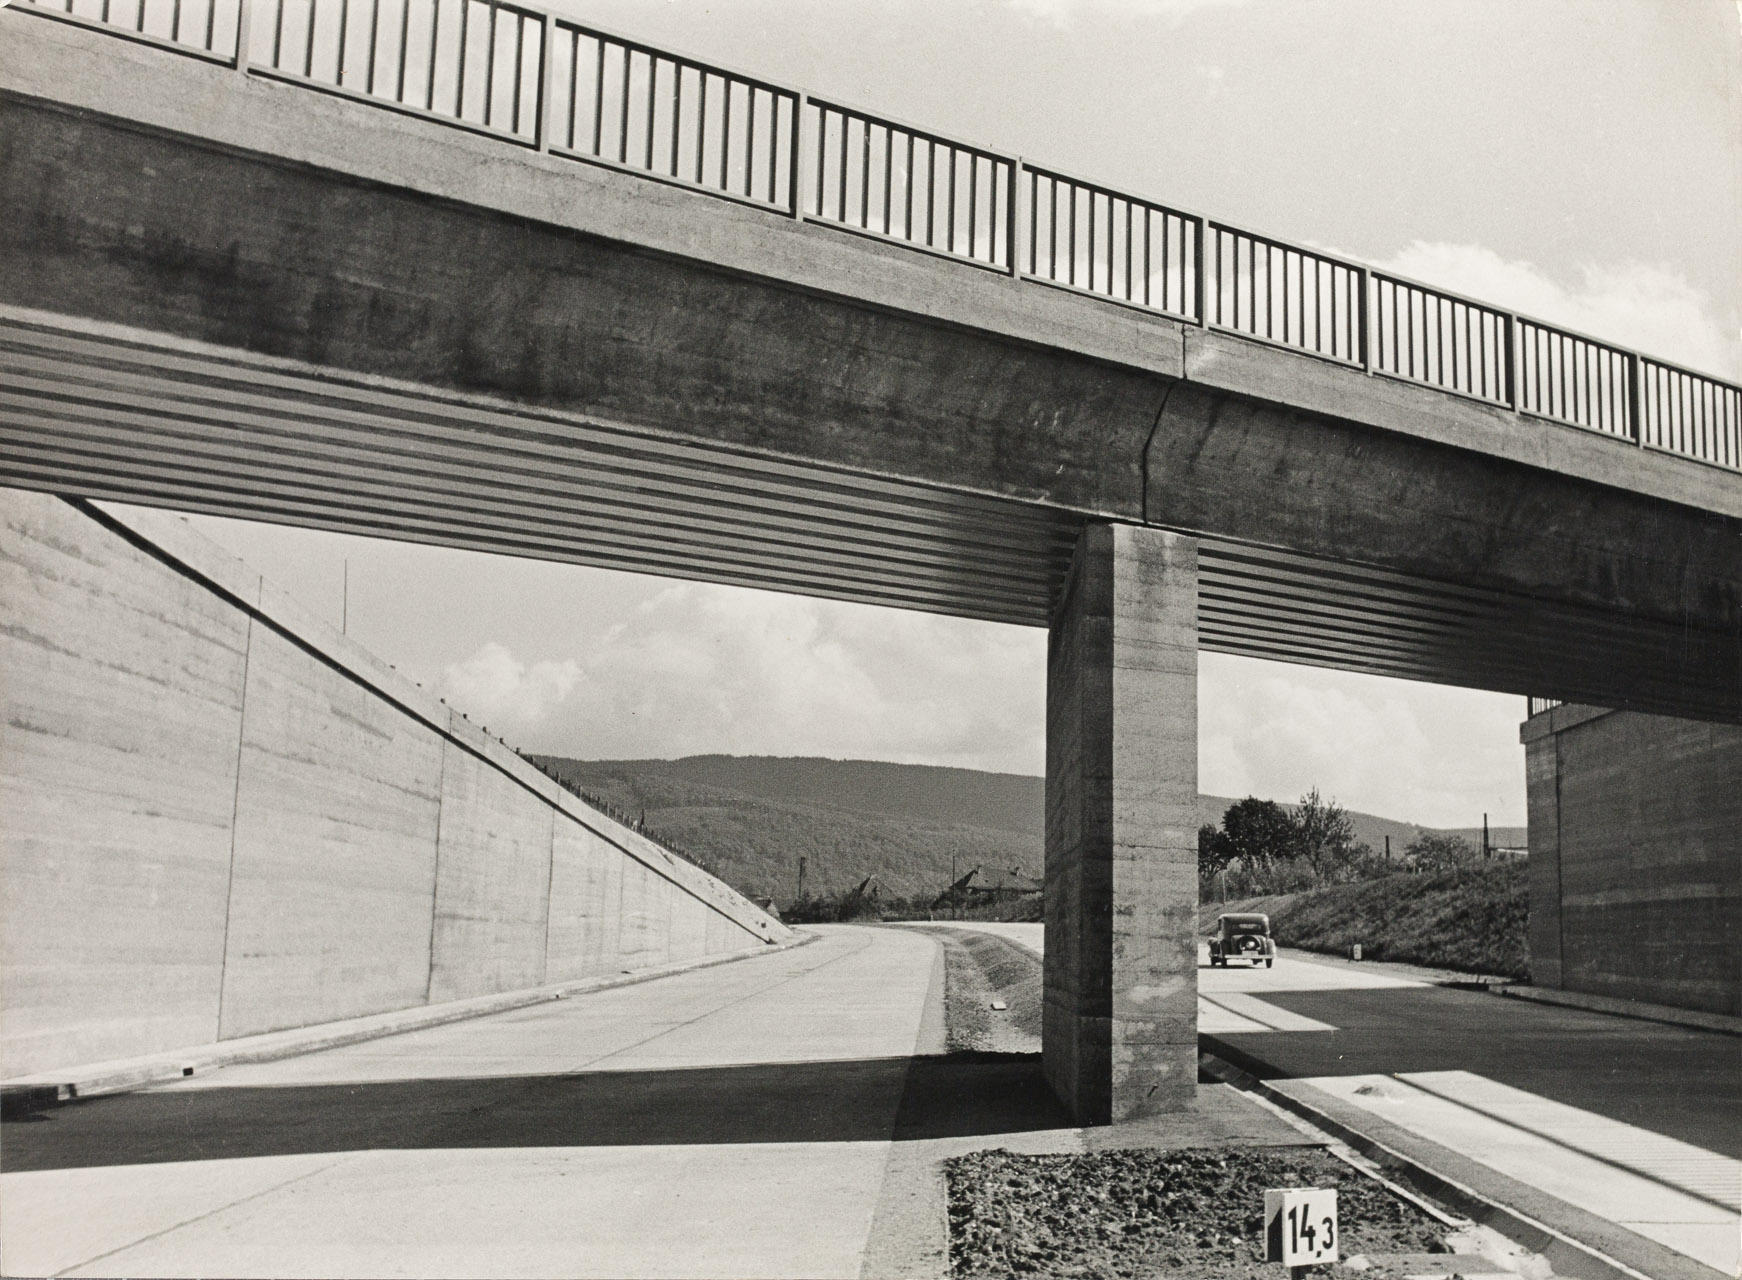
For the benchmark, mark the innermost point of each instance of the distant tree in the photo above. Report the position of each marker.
(1367, 864)
(1324, 836)
(1259, 832)
(1438, 851)
(1215, 850)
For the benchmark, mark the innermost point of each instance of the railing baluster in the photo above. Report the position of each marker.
(1364, 320)
(623, 111)
(435, 18)
(374, 43)
(677, 116)
(460, 64)
(547, 82)
(519, 72)
(574, 83)
(795, 174)
(846, 136)
(888, 174)
(865, 175)
(774, 101)
(822, 155)
(973, 205)
(652, 103)
(344, 30)
(951, 239)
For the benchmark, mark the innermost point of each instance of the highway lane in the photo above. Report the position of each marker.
(780, 1116)
(1633, 1123)
(729, 1121)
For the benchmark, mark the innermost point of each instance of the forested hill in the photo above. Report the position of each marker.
(750, 818)
(1003, 801)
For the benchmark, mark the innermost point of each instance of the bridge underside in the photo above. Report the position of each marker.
(226, 293)
(100, 412)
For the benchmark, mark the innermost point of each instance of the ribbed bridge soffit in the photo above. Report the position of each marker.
(96, 412)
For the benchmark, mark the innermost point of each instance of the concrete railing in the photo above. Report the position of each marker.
(532, 79)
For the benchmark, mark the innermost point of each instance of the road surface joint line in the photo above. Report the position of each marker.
(1620, 1007)
(201, 1217)
(1563, 1143)
(669, 1028)
(1254, 1008)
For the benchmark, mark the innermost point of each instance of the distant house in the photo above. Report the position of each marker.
(983, 886)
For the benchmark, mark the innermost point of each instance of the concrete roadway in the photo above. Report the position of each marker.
(1584, 1120)
(688, 1126)
(1636, 1124)
(783, 1115)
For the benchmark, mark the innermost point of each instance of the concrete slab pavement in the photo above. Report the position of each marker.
(784, 1116)
(494, 1148)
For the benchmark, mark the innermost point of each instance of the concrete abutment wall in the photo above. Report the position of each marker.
(218, 817)
(1636, 857)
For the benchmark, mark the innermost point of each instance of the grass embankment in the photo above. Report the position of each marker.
(1473, 919)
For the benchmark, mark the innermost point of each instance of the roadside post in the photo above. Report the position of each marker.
(1300, 1227)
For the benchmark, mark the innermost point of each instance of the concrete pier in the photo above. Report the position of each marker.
(1121, 827)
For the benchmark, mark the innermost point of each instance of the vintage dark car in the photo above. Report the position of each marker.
(1242, 937)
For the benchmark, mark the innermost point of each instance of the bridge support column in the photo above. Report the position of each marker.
(1120, 1028)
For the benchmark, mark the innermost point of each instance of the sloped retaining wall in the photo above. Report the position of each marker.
(219, 817)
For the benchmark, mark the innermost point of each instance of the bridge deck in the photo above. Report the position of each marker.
(376, 321)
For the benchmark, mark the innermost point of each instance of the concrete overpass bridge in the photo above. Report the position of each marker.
(471, 274)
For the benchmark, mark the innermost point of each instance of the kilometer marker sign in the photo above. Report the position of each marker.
(1300, 1226)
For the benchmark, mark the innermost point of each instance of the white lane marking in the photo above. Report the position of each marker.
(1293, 973)
(1215, 1020)
(1268, 1016)
(1688, 1224)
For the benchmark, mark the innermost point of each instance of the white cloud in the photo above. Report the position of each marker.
(1418, 752)
(1633, 304)
(701, 668)
(495, 688)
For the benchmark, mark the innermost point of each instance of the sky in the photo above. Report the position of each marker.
(1578, 161)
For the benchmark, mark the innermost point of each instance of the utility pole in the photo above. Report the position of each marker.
(1484, 837)
(801, 862)
(1387, 848)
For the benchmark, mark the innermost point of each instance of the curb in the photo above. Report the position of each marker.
(1569, 1257)
(24, 1094)
(1427, 974)
(1620, 1007)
